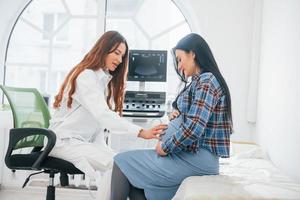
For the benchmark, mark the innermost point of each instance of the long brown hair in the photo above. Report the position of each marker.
(95, 60)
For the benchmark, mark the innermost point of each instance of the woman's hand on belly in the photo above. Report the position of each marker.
(159, 150)
(175, 113)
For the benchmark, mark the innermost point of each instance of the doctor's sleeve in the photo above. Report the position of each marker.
(92, 97)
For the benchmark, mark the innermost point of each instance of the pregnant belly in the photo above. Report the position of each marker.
(173, 127)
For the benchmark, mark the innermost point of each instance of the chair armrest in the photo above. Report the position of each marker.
(18, 134)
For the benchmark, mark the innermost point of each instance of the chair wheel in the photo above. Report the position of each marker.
(64, 179)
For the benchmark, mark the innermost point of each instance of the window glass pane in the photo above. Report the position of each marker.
(48, 25)
(53, 34)
(60, 32)
(134, 36)
(18, 75)
(31, 49)
(62, 27)
(166, 16)
(80, 43)
(83, 7)
(145, 30)
(35, 11)
(171, 37)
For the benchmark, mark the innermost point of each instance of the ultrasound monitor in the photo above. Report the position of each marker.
(147, 65)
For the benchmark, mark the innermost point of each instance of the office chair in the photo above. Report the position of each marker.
(31, 120)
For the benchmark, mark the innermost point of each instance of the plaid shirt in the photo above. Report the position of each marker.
(205, 122)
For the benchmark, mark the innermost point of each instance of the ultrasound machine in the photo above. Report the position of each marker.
(146, 66)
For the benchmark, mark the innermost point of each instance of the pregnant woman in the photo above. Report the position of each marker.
(195, 138)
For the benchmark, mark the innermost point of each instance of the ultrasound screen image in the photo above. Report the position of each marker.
(147, 65)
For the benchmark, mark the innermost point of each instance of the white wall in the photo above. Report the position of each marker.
(228, 26)
(278, 119)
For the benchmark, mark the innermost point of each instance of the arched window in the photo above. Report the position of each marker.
(52, 36)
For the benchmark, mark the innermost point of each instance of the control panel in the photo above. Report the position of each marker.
(144, 104)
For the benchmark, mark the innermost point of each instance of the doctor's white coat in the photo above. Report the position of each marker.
(80, 129)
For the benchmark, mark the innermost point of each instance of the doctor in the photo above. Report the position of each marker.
(89, 102)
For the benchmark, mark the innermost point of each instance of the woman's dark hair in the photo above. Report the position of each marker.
(203, 58)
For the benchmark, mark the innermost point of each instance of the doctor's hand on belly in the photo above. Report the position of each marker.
(153, 133)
